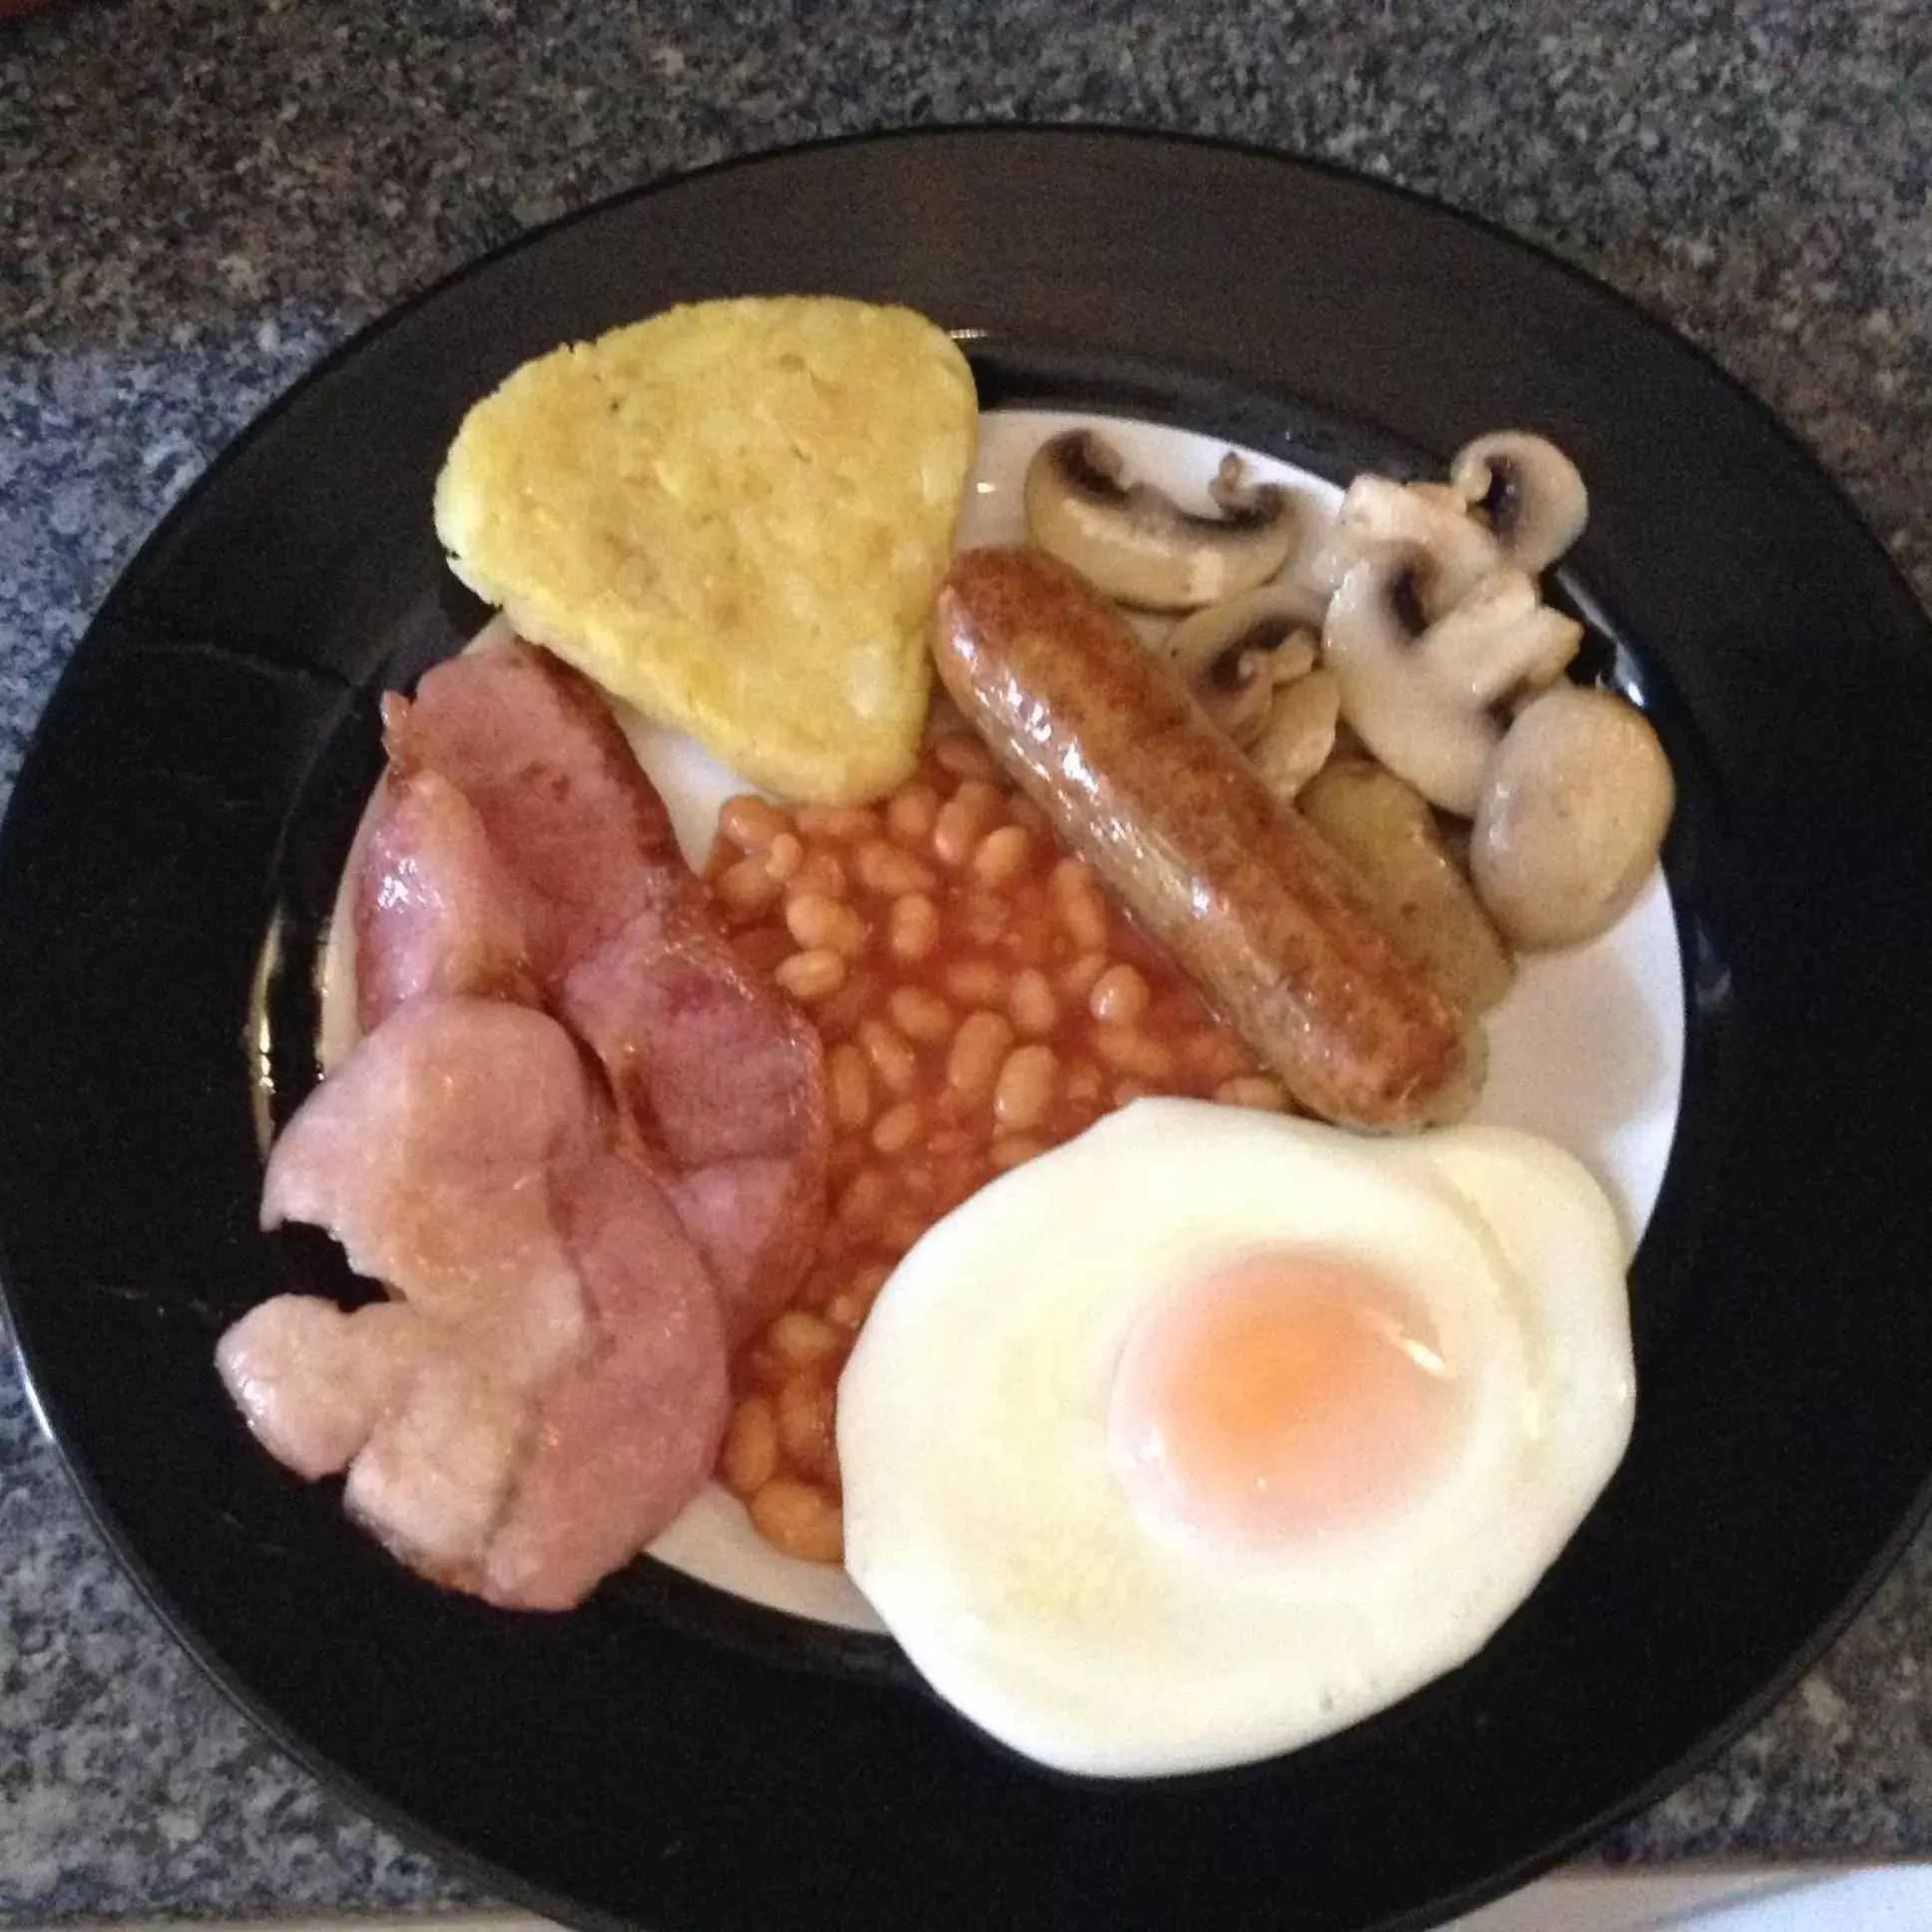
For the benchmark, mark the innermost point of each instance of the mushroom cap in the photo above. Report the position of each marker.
(1531, 494)
(1136, 543)
(1424, 729)
(1571, 817)
(1430, 518)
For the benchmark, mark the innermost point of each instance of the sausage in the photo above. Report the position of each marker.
(1240, 891)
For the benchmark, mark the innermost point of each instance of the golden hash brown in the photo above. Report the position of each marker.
(733, 515)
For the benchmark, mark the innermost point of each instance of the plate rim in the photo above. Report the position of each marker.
(476, 1867)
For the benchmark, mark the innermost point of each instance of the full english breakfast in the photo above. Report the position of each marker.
(1013, 1152)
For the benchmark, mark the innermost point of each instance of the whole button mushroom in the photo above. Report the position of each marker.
(1573, 813)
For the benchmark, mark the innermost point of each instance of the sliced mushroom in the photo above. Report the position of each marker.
(1300, 734)
(1531, 495)
(1423, 730)
(1137, 544)
(1501, 638)
(1387, 833)
(1571, 820)
(1237, 652)
(1429, 517)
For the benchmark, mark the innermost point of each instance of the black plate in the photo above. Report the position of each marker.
(660, 1758)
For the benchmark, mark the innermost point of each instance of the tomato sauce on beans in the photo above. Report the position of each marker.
(981, 999)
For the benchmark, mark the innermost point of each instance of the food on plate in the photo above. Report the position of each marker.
(1134, 543)
(1212, 1432)
(636, 1152)
(548, 1387)
(1386, 831)
(566, 888)
(1529, 494)
(1240, 894)
(571, 1252)
(731, 516)
(1423, 701)
(1573, 807)
(981, 999)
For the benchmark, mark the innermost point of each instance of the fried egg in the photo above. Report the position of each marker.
(1212, 1432)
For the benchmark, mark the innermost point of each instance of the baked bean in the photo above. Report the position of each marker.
(747, 886)
(865, 1196)
(898, 1127)
(838, 1015)
(1025, 1089)
(893, 1060)
(1120, 996)
(848, 1085)
(976, 982)
(912, 812)
(783, 856)
(750, 822)
(812, 974)
(1214, 1055)
(962, 818)
(1031, 1005)
(1070, 875)
(804, 1413)
(1126, 1092)
(914, 928)
(882, 867)
(1085, 1083)
(1014, 1150)
(963, 757)
(983, 918)
(842, 1161)
(903, 1226)
(1129, 1052)
(979, 1048)
(1001, 856)
(853, 1302)
(802, 1338)
(1083, 917)
(919, 1014)
(848, 824)
(749, 1457)
(818, 923)
(1252, 1089)
(1077, 980)
(799, 1519)
(820, 871)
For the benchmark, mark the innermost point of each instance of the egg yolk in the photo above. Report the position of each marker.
(1280, 1400)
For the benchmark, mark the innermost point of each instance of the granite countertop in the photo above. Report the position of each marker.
(197, 198)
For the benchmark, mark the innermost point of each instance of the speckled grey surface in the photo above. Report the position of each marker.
(197, 198)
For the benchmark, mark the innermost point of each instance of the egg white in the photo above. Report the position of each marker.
(983, 1517)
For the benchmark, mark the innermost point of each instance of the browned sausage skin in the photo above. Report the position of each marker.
(1240, 891)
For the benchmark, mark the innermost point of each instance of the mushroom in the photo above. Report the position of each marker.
(1571, 819)
(1421, 698)
(1428, 517)
(1386, 831)
(1529, 493)
(1136, 543)
(1418, 724)
(1237, 652)
(1499, 638)
(1300, 734)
